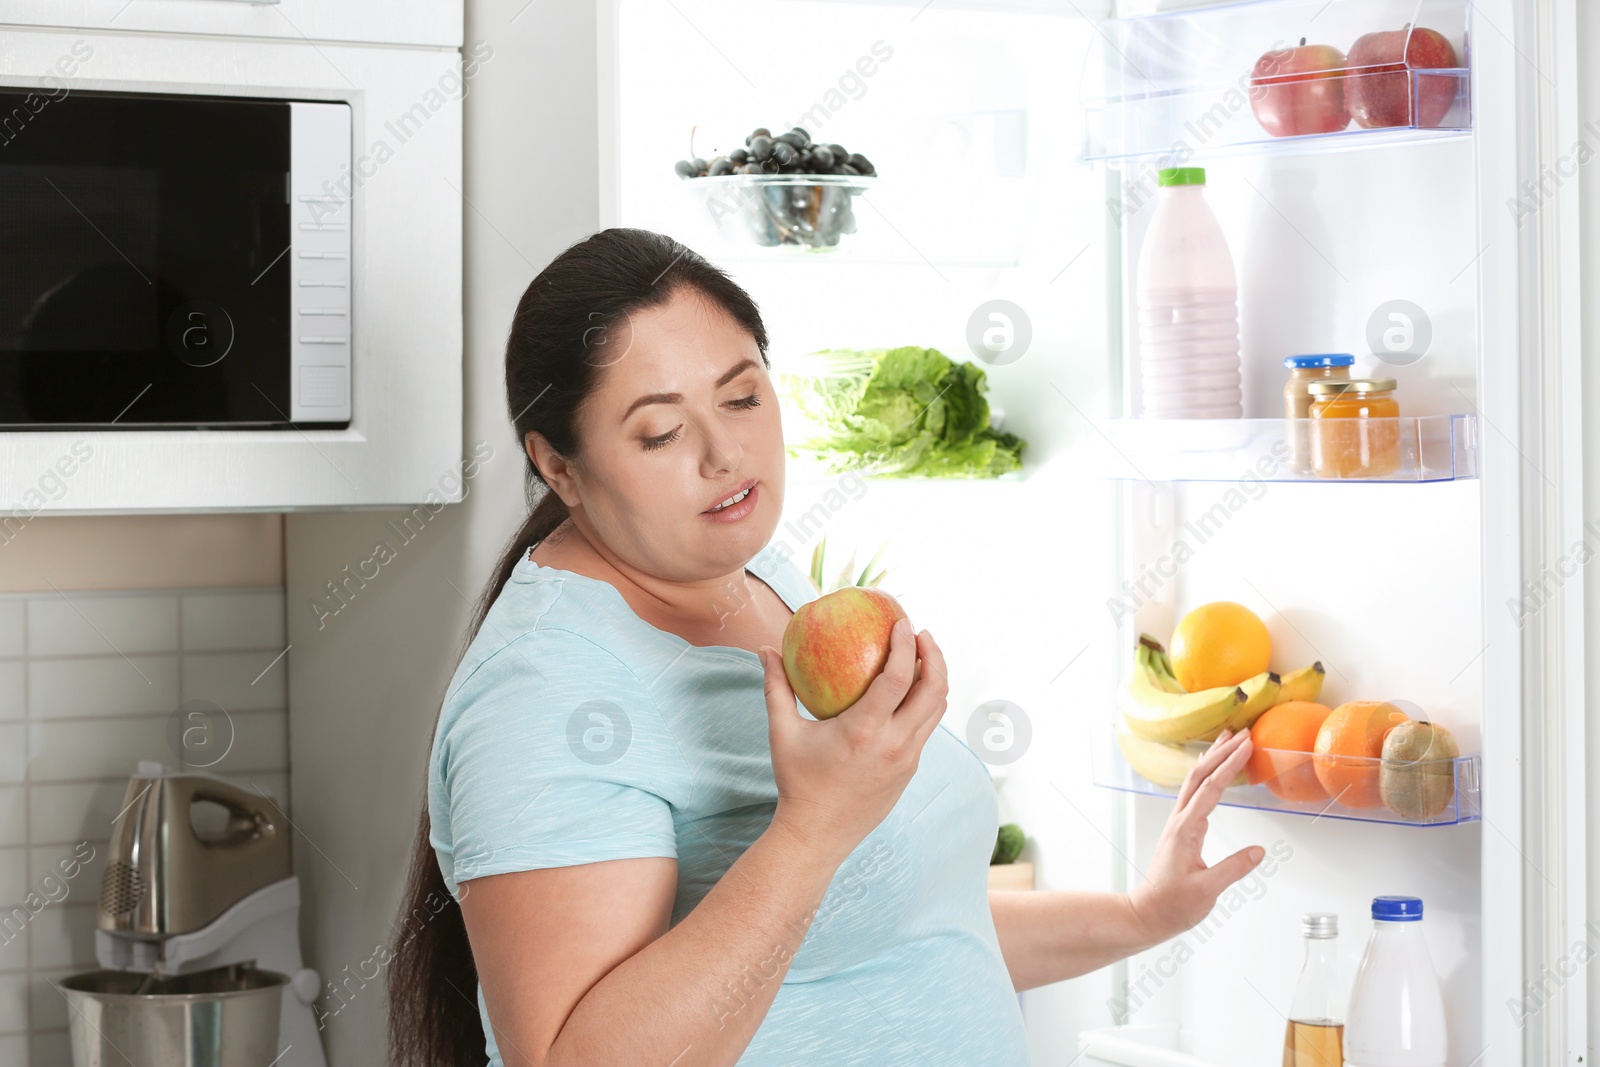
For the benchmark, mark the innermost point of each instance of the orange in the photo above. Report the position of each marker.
(1284, 729)
(1349, 750)
(1221, 643)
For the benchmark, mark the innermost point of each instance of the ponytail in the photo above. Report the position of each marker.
(554, 355)
(433, 1010)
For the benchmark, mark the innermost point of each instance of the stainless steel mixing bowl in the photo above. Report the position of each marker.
(224, 1017)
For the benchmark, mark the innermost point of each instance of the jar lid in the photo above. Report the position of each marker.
(1320, 924)
(1181, 176)
(1321, 359)
(1397, 909)
(1335, 386)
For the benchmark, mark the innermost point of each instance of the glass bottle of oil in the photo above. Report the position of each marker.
(1315, 1034)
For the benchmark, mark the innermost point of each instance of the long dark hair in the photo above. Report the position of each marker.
(565, 332)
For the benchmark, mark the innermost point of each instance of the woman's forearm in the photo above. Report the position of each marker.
(694, 996)
(1047, 936)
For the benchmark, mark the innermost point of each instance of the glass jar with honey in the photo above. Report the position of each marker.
(1303, 370)
(1355, 428)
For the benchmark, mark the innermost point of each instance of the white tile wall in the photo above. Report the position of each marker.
(48, 1008)
(50, 1048)
(14, 944)
(13, 815)
(91, 683)
(14, 1001)
(76, 625)
(13, 625)
(86, 687)
(13, 873)
(13, 689)
(13, 752)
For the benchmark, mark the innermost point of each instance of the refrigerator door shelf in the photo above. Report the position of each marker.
(1136, 1046)
(1229, 77)
(1162, 768)
(1153, 128)
(1433, 448)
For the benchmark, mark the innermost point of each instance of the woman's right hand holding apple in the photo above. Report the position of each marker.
(838, 778)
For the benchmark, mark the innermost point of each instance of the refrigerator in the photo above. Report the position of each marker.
(1016, 147)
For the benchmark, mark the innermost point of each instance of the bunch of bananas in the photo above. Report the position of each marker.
(1160, 717)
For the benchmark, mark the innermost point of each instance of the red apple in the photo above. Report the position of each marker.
(835, 645)
(1300, 90)
(1378, 89)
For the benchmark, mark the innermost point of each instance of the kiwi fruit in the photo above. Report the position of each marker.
(1417, 776)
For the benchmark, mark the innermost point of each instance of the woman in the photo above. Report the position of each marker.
(621, 860)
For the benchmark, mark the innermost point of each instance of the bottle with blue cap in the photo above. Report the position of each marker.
(1303, 370)
(1396, 1013)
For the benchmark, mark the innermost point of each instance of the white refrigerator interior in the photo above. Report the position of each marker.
(1038, 586)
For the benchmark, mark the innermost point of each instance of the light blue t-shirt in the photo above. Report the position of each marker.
(573, 731)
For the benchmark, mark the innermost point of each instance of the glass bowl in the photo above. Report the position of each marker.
(810, 211)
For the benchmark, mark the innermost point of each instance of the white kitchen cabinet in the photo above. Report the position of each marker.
(404, 444)
(402, 22)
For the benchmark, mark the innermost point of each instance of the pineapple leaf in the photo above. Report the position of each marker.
(873, 562)
(816, 563)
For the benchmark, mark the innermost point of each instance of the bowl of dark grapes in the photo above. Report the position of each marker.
(781, 189)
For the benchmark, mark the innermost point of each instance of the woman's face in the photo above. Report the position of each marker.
(684, 417)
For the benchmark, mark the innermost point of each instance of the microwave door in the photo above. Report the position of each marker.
(146, 253)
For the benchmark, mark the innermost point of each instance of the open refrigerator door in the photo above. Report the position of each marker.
(1380, 229)
(1017, 149)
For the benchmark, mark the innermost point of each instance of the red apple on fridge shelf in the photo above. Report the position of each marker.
(835, 645)
(1378, 89)
(1299, 90)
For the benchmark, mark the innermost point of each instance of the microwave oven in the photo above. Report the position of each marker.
(174, 262)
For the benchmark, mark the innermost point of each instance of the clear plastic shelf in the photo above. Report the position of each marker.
(1251, 76)
(1139, 1045)
(1438, 792)
(1432, 448)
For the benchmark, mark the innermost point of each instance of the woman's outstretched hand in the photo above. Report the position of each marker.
(1179, 890)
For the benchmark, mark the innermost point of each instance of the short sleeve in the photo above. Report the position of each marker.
(551, 753)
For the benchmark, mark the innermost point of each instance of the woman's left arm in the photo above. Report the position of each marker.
(1048, 936)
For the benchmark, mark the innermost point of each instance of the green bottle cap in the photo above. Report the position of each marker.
(1181, 176)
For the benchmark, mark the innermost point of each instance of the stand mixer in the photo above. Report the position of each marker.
(176, 901)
